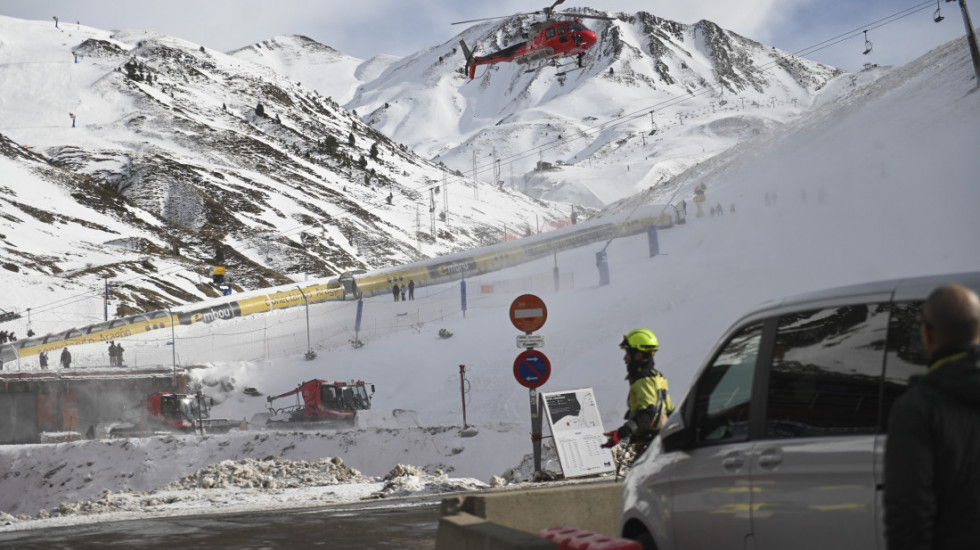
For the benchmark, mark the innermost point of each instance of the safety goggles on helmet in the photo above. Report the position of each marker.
(640, 339)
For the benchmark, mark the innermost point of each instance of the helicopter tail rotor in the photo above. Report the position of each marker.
(466, 52)
(470, 67)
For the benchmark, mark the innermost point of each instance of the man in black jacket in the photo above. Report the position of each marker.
(932, 459)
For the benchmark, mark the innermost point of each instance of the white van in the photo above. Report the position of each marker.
(780, 440)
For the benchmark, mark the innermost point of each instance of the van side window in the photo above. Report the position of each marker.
(826, 372)
(905, 356)
(724, 391)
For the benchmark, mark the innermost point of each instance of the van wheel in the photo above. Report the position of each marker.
(646, 540)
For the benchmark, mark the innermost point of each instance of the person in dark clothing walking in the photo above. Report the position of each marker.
(43, 358)
(411, 289)
(65, 358)
(932, 460)
(649, 403)
(395, 291)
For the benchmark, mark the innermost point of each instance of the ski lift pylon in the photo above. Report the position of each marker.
(867, 43)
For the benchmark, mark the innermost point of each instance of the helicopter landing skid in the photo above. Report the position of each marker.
(563, 73)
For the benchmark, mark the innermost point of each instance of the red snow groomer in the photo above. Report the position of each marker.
(337, 404)
(165, 412)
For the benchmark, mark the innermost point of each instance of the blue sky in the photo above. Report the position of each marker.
(370, 27)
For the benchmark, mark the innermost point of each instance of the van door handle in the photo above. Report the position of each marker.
(733, 462)
(770, 458)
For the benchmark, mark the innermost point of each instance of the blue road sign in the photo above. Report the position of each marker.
(532, 368)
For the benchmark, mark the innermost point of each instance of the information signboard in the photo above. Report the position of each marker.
(576, 427)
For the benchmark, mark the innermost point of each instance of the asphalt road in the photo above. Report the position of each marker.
(375, 525)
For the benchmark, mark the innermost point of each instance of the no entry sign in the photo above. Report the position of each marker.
(532, 368)
(528, 312)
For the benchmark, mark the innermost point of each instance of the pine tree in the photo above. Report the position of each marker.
(330, 144)
(131, 70)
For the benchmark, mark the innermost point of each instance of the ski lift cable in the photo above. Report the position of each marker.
(854, 34)
(871, 25)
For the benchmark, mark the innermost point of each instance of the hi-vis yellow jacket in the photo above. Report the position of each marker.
(649, 401)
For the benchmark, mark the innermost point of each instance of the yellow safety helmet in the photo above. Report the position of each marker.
(640, 339)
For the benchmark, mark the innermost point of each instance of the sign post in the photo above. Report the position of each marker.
(531, 368)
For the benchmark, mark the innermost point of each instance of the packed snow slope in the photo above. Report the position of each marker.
(879, 184)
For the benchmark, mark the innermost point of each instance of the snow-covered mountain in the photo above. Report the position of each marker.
(654, 97)
(320, 67)
(157, 155)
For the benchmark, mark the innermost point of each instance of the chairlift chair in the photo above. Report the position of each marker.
(867, 43)
(937, 17)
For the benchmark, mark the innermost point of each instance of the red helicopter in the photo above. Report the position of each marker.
(552, 39)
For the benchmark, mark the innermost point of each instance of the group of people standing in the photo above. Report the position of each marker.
(399, 291)
(65, 358)
(115, 354)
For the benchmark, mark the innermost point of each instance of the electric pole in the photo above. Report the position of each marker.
(445, 197)
(418, 228)
(476, 194)
(971, 37)
(432, 211)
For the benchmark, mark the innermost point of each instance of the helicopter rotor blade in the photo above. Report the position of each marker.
(499, 17)
(481, 19)
(547, 12)
(586, 16)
